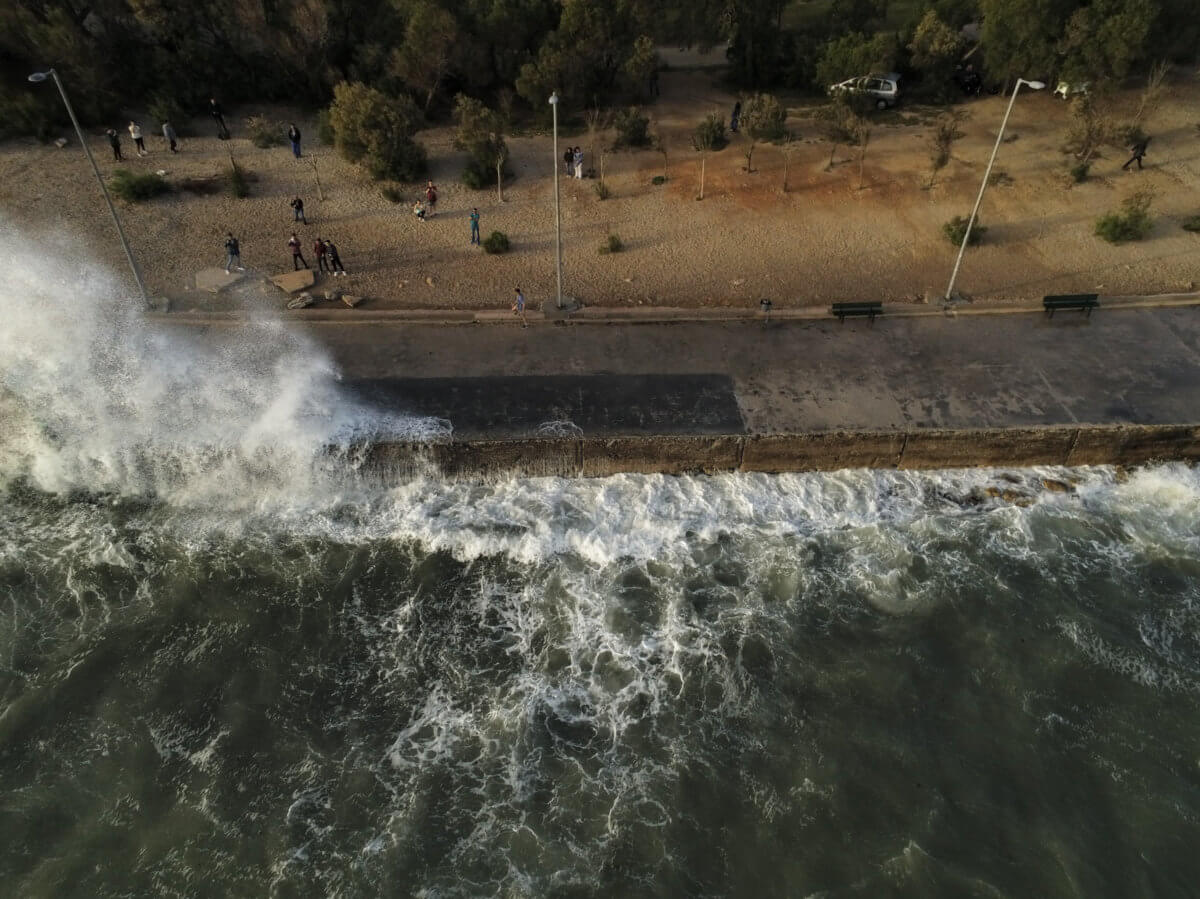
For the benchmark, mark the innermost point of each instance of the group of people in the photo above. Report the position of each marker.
(326, 252)
(573, 158)
(139, 139)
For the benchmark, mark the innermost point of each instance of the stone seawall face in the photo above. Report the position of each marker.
(827, 451)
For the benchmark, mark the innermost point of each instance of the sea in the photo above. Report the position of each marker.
(236, 662)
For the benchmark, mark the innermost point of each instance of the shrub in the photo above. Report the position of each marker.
(1131, 222)
(612, 245)
(239, 184)
(391, 193)
(134, 188)
(658, 179)
(376, 130)
(633, 128)
(202, 186)
(710, 133)
(957, 227)
(264, 132)
(496, 242)
(325, 129)
(1079, 172)
(477, 175)
(764, 117)
(601, 190)
(1192, 224)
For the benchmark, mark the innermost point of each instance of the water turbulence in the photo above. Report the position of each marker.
(225, 668)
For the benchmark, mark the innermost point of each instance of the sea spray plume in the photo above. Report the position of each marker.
(96, 398)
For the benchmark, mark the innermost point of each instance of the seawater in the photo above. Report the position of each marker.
(232, 664)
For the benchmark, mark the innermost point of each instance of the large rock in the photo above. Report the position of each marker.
(303, 301)
(293, 281)
(214, 280)
(351, 300)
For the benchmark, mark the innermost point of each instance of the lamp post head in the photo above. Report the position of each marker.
(1035, 85)
(554, 99)
(39, 77)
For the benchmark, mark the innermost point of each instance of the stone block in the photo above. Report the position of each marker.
(303, 301)
(293, 281)
(214, 280)
(351, 300)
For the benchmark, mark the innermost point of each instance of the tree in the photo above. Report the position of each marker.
(377, 130)
(941, 141)
(843, 125)
(1090, 126)
(428, 52)
(1020, 37)
(855, 54)
(763, 118)
(1153, 93)
(481, 133)
(789, 145)
(935, 48)
(708, 136)
(1103, 40)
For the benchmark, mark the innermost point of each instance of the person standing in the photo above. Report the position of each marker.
(171, 136)
(419, 210)
(577, 157)
(319, 252)
(568, 161)
(214, 109)
(1138, 150)
(135, 131)
(294, 137)
(335, 261)
(298, 211)
(430, 199)
(233, 254)
(474, 217)
(297, 256)
(518, 307)
(737, 114)
(114, 141)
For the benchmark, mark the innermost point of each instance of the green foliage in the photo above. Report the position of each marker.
(430, 51)
(941, 141)
(710, 133)
(265, 132)
(1192, 224)
(1079, 172)
(239, 183)
(1131, 222)
(1104, 39)
(134, 188)
(633, 128)
(658, 179)
(612, 245)
(496, 242)
(166, 109)
(957, 227)
(601, 190)
(763, 117)
(935, 48)
(855, 54)
(1088, 129)
(376, 130)
(27, 113)
(481, 133)
(391, 193)
(1020, 37)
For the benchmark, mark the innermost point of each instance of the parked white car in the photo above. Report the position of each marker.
(883, 89)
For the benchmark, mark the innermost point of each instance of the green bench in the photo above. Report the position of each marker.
(1085, 302)
(842, 310)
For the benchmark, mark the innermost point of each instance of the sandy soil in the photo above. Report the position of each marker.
(823, 240)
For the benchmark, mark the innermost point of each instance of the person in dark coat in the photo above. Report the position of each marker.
(214, 109)
(294, 137)
(114, 141)
(335, 261)
(737, 114)
(1138, 150)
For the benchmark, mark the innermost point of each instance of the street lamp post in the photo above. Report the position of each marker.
(557, 207)
(37, 78)
(1035, 85)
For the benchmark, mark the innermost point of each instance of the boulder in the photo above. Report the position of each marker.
(350, 300)
(333, 293)
(303, 301)
(214, 280)
(293, 281)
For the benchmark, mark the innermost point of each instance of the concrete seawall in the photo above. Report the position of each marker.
(710, 454)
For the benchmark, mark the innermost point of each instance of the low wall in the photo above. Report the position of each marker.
(823, 451)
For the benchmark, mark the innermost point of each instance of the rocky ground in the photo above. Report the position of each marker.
(825, 239)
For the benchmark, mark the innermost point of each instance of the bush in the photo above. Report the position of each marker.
(239, 184)
(601, 190)
(658, 179)
(711, 132)
(496, 242)
(957, 227)
(764, 117)
(1131, 222)
(264, 132)
(477, 175)
(135, 188)
(391, 193)
(1192, 224)
(202, 186)
(376, 130)
(1079, 172)
(633, 128)
(325, 129)
(612, 245)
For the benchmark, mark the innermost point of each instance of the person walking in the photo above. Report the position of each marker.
(577, 158)
(568, 160)
(114, 141)
(233, 254)
(171, 137)
(474, 218)
(737, 114)
(430, 199)
(298, 211)
(319, 252)
(135, 131)
(297, 256)
(214, 109)
(335, 261)
(1138, 150)
(294, 137)
(518, 307)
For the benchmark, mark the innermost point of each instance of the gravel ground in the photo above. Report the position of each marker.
(824, 240)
